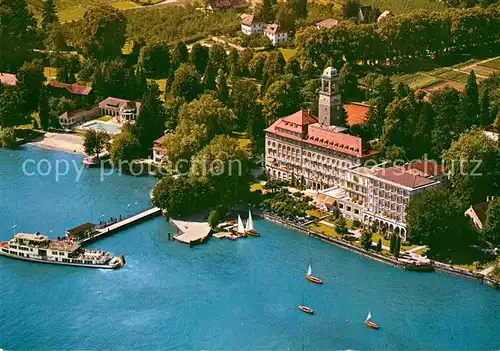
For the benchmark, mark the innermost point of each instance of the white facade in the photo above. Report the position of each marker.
(276, 38)
(372, 199)
(254, 28)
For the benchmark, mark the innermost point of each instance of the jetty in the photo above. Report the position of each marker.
(191, 232)
(103, 231)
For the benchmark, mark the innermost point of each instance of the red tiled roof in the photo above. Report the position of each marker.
(345, 143)
(328, 23)
(72, 88)
(272, 28)
(160, 140)
(426, 167)
(294, 123)
(356, 114)
(8, 79)
(112, 103)
(247, 19)
(403, 177)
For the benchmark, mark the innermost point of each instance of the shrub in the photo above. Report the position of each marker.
(356, 224)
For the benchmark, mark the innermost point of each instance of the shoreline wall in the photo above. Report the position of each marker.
(438, 266)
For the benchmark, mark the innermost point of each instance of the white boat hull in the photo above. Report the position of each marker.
(108, 265)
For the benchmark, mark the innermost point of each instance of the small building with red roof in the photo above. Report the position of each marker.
(250, 25)
(159, 150)
(327, 23)
(8, 79)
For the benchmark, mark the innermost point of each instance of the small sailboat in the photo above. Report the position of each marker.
(240, 229)
(249, 228)
(369, 323)
(311, 278)
(305, 308)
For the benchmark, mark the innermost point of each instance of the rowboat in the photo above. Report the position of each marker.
(249, 228)
(369, 323)
(312, 278)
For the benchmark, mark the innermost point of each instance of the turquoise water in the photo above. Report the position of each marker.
(221, 295)
(105, 127)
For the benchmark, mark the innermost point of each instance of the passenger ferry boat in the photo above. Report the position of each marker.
(39, 248)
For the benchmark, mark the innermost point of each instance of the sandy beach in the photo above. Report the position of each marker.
(64, 142)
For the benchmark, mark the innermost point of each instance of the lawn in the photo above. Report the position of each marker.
(256, 186)
(104, 118)
(405, 6)
(463, 257)
(455, 76)
(315, 213)
(288, 54)
(325, 229)
(162, 84)
(495, 63)
(50, 72)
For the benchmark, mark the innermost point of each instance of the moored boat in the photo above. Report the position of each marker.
(249, 228)
(240, 229)
(39, 248)
(369, 323)
(311, 278)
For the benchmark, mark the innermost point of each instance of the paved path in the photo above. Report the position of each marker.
(416, 249)
(488, 270)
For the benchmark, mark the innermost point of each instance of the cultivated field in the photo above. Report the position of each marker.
(404, 6)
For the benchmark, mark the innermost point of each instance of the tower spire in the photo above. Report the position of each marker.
(330, 103)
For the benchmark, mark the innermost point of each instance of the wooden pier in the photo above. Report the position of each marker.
(117, 226)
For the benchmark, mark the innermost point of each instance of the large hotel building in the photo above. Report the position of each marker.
(316, 152)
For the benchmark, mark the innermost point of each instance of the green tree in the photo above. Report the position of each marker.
(245, 58)
(472, 165)
(54, 38)
(244, 95)
(285, 17)
(30, 80)
(198, 57)
(233, 62)
(293, 67)
(43, 109)
(379, 245)
(267, 12)
(151, 120)
(434, 218)
(113, 78)
(213, 219)
(397, 246)
(18, 33)
(300, 8)
(102, 32)
(366, 240)
(491, 229)
(209, 78)
(179, 54)
(486, 116)
(281, 99)
(125, 147)
(217, 57)
(155, 60)
(341, 225)
(49, 15)
(7, 137)
(348, 82)
(95, 142)
(274, 67)
(172, 105)
(222, 89)
(256, 65)
(445, 103)
(470, 109)
(67, 70)
(187, 83)
(392, 244)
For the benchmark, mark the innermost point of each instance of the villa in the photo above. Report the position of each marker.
(70, 119)
(123, 110)
(249, 25)
(159, 150)
(275, 34)
(69, 89)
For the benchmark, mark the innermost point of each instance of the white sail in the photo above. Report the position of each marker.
(249, 227)
(310, 270)
(240, 229)
(369, 316)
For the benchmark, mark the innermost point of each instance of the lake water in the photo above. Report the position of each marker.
(221, 295)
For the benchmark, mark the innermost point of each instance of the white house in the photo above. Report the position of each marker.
(249, 25)
(275, 35)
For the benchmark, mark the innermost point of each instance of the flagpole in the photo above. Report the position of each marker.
(14, 229)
